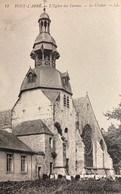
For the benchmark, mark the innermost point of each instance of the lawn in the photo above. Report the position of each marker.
(61, 186)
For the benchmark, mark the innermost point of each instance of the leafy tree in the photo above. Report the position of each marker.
(113, 137)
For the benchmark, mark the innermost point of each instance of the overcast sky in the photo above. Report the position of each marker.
(89, 43)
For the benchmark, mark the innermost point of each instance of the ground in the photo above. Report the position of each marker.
(61, 186)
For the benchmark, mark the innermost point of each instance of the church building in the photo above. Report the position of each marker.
(53, 133)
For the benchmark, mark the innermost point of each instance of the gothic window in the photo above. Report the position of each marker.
(64, 100)
(23, 163)
(67, 101)
(87, 139)
(10, 163)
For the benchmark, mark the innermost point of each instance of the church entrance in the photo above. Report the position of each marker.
(87, 139)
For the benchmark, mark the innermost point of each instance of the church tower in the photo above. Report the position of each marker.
(45, 49)
(63, 132)
(45, 106)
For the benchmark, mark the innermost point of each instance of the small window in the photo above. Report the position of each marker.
(64, 100)
(67, 101)
(87, 106)
(50, 142)
(76, 165)
(66, 130)
(67, 165)
(31, 78)
(9, 162)
(23, 164)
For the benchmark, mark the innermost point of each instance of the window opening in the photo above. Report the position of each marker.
(67, 101)
(23, 164)
(9, 162)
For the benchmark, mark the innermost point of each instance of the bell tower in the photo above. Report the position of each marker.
(44, 50)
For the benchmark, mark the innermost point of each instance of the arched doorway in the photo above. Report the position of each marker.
(87, 139)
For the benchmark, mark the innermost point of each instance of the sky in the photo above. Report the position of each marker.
(88, 36)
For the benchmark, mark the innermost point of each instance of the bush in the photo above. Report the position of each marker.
(60, 176)
(58, 126)
(45, 176)
(77, 177)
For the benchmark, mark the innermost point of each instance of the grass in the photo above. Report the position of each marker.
(61, 186)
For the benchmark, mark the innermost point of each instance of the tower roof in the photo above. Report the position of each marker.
(46, 77)
(44, 15)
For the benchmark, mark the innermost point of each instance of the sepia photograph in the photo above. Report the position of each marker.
(60, 99)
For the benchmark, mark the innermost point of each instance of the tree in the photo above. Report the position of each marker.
(113, 137)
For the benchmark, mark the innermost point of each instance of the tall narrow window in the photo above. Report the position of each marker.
(67, 165)
(9, 162)
(50, 142)
(64, 100)
(76, 165)
(67, 101)
(23, 164)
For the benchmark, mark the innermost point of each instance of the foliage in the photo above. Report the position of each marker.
(58, 126)
(61, 186)
(63, 138)
(60, 176)
(113, 137)
(77, 177)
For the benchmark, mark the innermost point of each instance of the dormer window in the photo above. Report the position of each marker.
(66, 130)
(65, 80)
(31, 77)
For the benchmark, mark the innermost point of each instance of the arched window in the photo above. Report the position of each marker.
(66, 130)
(87, 139)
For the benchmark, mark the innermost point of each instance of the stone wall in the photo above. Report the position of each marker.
(40, 143)
(31, 105)
(66, 116)
(35, 142)
(86, 117)
(16, 174)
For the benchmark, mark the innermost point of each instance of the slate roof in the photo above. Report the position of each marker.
(46, 77)
(9, 141)
(31, 128)
(5, 119)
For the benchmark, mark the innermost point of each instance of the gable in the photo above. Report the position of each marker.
(86, 116)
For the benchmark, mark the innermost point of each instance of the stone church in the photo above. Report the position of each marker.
(47, 131)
